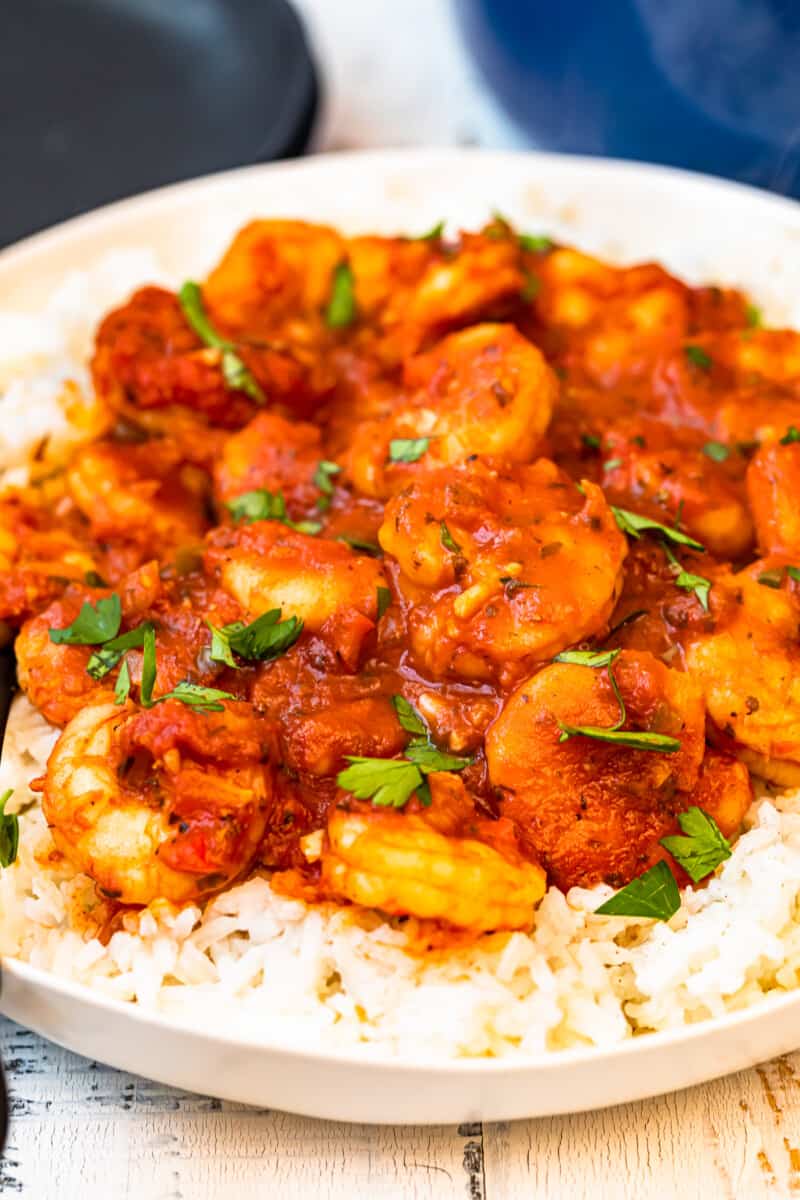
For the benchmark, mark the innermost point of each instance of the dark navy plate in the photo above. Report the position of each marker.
(100, 99)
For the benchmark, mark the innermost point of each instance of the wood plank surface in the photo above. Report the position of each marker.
(82, 1131)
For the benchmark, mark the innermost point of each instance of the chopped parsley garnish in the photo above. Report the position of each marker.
(362, 545)
(384, 600)
(611, 464)
(261, 505)
(433, 235)
(698, 357)
(266, 638)
(409, 718)
(613, 734)
(535, 243)
(753, 317)
(635, 525)
(148, 668)
(703, 847)
(717, 451)
(588, 658)
(689, 582)
(323, 479)
(792, 435)
(122, 688)
(653, 894)
(447, 539)
(194, 695)
(94, 624)
(773, 578)
(390, 782)
(591, 441)
(407, 450)
(92, 579)
(341, 310)
(106, 658)
(237, 376)
(9, 831)
(793, 573)
(387, 782)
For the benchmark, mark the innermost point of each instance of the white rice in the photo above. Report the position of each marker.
(278, 970)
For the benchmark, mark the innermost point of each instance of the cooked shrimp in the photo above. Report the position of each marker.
(653, 472)
(485, 390)
(274, 454)
(747, 663)
(402, 864)
(772, 482)
(324, 583)
(275, 279)
(38, 557)
(141, 494)
(502, 570)
(592, 810)
(162, 803)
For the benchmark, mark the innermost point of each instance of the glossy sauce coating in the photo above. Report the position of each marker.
(430, 468)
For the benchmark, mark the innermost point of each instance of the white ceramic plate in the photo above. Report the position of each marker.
(703, 229)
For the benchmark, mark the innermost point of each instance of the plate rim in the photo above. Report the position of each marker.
(14, 256)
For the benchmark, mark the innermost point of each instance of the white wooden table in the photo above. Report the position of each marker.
(395, 75)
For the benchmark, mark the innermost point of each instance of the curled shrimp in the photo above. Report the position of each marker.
(402, 864)
(141, 494)
(772, 479)
(594, 810)
(502, 570)
(747, 662)
(485, 390)
(161, 803)
(274, 454)
(323, 583)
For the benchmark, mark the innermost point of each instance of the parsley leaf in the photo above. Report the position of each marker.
(9, 831)
(793, 573)
(261, 505)
(653, 894)
(772, 578)
(237, 376)
(323, 479)
(531, 286)
(634, 525)
(407, 450)
(591, 441)
(362, 545)
(341, 310)
(613, 734)
(717, 451)
(792, 435)
(428, 758)
(204, 699)
(588, 658)
(698, 357)
(384, 600)
(122, 688)
(689, 582)
(95, 623)
(702, 849)
(148, 668)
(433, 235)
(611, 464)
(388, 782)
(753, 317)
(262, 640)
(106, 658)
(535, 243)
(447, 539)
(657, 742)
(409, 718)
